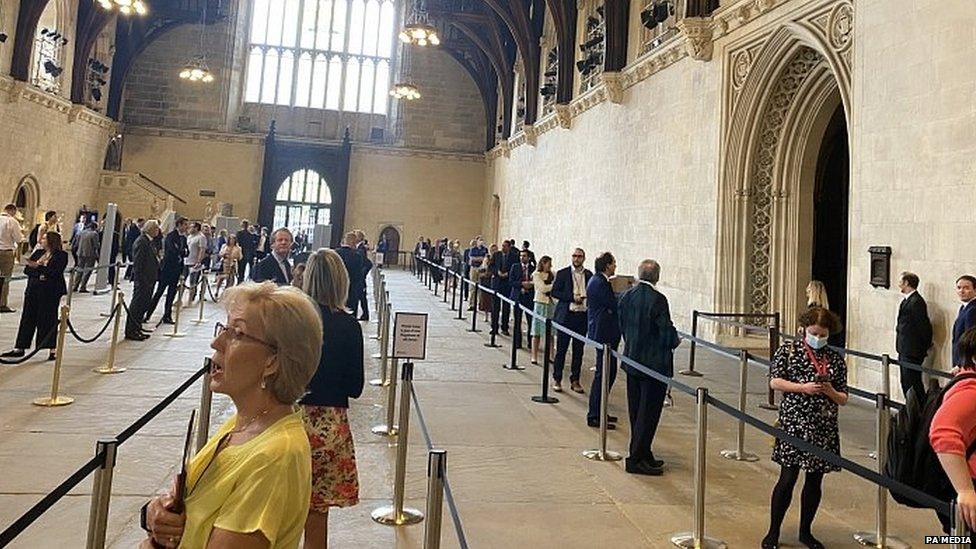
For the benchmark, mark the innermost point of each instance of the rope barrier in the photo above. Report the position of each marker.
(31, 354)
(155, 410)
(108, 321)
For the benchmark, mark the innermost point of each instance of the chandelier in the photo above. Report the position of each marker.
(196, 70)
(418, 29)
(125, 7)
(405, 91)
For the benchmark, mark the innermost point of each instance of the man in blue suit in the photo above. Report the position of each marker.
(569, 288)
(602, 326)
(966, 290)
(520, 278)
(501, 266)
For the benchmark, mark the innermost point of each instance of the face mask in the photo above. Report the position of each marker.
(816, 342)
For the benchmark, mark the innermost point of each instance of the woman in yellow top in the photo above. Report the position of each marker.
(250, 485)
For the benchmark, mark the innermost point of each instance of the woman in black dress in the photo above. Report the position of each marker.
(45, 286)
(813, 380)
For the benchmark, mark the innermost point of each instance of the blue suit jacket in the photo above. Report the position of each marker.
(562, 290)
(515, 281)
(965, 321)
(601, 311)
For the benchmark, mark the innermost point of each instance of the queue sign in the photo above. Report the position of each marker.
(410, 336)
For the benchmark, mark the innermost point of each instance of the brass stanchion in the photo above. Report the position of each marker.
(384, 335)
(601, 453)
(71, 286)
(179, 308)
(384, 378)
(436, 470)
(740, 454)
(389, 429)
(206, 398)
(880, 537)
(101, 494)
(396, 514)
(202, 290)
(109, 366)
(55, 399)
(379, 313)
(115, 293)
(697, 539)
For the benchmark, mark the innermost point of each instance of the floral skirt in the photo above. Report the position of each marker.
(335, 482)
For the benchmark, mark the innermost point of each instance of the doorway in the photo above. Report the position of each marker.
(830, 217)
(392, 236)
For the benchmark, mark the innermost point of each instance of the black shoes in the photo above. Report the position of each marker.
(596, 423)
(769, 542)
(51, 357)
(810, 541)
(136, 337)
(14, 353)
(7, 310)
(166, 321)
(643, 467)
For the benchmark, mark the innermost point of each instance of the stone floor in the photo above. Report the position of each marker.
(514, 465)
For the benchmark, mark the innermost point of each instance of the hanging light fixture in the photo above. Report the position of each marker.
(125, 7)
(405, 91)
(196, 68)
(418, 29)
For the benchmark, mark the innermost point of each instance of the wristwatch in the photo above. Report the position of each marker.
(142, 518)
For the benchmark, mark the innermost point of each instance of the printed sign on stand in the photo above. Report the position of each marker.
(410, 336)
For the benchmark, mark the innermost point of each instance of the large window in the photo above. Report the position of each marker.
(321, 54)
(303, 201)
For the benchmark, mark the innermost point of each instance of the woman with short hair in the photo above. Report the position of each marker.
(813, 380)
(339, 377)
(249, 486)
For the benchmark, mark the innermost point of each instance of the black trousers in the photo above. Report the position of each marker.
(38, 319)
(170, 289)
(500, 311)
(522, 321)
(575, 321)
(141, 298)
(242, 265)
(593, 414)
(911, 378)
(645, 400)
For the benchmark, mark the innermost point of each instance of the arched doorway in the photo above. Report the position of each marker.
(27, 198)
(392, 236)
(113, 154)
(303, 201)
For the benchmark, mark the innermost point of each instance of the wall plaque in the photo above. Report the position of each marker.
(880, 266)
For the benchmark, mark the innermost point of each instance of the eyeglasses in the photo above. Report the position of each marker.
(577, 255)
(237, 334)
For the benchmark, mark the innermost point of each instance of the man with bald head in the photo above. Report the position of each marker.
(649, 339)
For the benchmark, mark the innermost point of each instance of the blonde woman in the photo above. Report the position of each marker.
(817, 295)
(249, 486)
(542, 280)
(230, 254)
(339, 377)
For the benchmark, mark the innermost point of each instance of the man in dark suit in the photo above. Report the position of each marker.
(248, 242)
(174, 250)
(602, 326)
(501, 266)
(569, 288)
(275, 266)
(966, 290)
(520, 278)
(145, 272)
(363, 248)
(649, 339)
(355, 265)
(913, 333)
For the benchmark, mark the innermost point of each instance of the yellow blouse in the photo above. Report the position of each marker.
(262, 485)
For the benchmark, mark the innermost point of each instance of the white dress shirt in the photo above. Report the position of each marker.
(10, 233)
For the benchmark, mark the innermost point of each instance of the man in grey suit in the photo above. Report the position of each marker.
(88, 248)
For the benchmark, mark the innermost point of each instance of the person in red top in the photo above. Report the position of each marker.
(953, 431)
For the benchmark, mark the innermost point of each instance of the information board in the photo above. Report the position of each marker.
(410, 336)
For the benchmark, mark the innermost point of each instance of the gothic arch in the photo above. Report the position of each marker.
(780, 93)
(27, 198)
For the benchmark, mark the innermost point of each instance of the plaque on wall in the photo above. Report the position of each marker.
(880, 266)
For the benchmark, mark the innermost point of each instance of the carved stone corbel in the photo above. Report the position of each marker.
(614, 83)
(564, 115)
(506, 148)
(698, 37)
(531, 134)
(74, 112)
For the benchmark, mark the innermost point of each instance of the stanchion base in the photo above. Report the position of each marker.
(871, 540)
(688, 540)
(108, 370)
(49, 402)
(177, 334)
(387, 515)
(199, 322)
(475, 331)
(545, 399)
(384, 430)
(735, 455)
(104, 315)
(379, 382)
(492, 345)
(873, 455)
(515, 368)
(374, 337)
(597, 455)
(691, 373)
(771, 407)
(376, 356)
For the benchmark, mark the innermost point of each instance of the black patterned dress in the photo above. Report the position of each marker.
(812, 418)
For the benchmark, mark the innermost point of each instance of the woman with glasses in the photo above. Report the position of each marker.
(249, 486)
(339, 377)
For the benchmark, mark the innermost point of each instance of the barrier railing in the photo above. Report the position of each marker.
(698, 537)
(103, 464)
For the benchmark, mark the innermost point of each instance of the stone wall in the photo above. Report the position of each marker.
(8, 26)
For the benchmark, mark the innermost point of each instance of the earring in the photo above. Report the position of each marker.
(264, 384)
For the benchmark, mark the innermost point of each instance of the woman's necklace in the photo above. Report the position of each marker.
(250, 421)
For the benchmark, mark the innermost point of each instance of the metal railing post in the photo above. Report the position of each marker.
(773, 334)
(460, 306)
(601, 453)
(436, 471)
(396, 514)
(206, 399)
(696, 539)
(389, 428)
(101, 494)
(115, 292)
(379, 313)
(546, 354)
(496, 305)
(453, 293)
(179, 308)
(71, 285)
(740, 454)
(516, 337)
(384, 332)
(109, 366)
(880, 537)
(475, 311)
(202, 291)
(691, 351)
(447, 277)
(384, 378)
(55, 399)
(958, 528)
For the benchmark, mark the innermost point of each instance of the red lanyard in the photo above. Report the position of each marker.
(821, 366)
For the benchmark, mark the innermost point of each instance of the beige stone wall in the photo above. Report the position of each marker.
(8, 26)
(60, 145)
(430, 194)
(186, 162)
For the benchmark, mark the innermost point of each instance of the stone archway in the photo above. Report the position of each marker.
(392, 235)
(782, 92)
(27, 198)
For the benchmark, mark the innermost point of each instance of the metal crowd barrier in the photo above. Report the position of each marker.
(697, 537)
